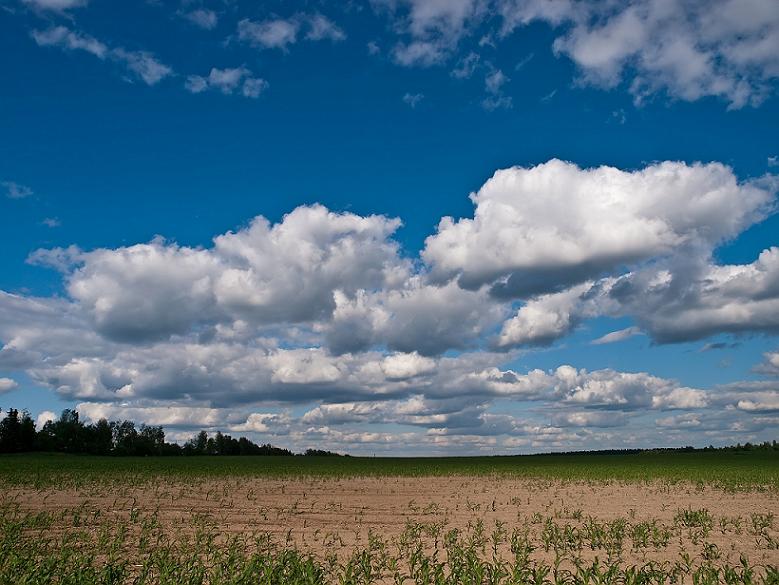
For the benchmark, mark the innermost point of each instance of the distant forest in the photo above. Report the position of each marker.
(69, 434)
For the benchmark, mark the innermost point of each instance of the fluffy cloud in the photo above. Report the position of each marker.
(44, 417)
(742, 407)
(7, 384)
(767, 403)
(214, 386)
(685, 299)
(288, 272)
(146, 291)
(219, 374)
(431, 319)
(401, 366)
(418, 317)
(607, 389)
(770, 365)
(726, 49)
(52, 342)
(597, 389)
(544, 319)
(689, 49)
(36, 329)
(685, 48)
(589, 419)
(459, 412)
(322, 312)
(264, 423)
(227, 374)
(537, 229)
(343, 275)
(694, 299)
(167, 416)
(687, 420)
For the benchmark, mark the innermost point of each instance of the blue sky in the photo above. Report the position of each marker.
(637, 151)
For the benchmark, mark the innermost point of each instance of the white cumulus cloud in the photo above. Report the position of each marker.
(538, 228)
(7, 384)
(688, 49)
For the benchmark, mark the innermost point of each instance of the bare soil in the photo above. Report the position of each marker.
(336, 515)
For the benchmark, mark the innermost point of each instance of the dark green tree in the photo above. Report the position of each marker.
(17, 432)
(125, 437)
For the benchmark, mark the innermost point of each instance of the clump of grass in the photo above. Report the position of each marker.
(690, 518)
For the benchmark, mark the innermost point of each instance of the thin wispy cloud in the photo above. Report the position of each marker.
(494, 83)
(321, 28)
(15, 190)
(524, 61)
(203, 17)
(55, 5)
(413, 99)
(466, 66)
(282, 33)
(141, 65)
(61, 36)
(617, 336)
(228, 81)
(269, 34)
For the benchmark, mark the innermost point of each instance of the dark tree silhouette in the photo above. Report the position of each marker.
(68, 434)
(17, 433)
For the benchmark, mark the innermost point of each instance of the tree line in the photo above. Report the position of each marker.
(68, 434)
(737, 448)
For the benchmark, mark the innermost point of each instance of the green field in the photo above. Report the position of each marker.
(729, 470)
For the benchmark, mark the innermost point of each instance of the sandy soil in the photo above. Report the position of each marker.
(328, 514)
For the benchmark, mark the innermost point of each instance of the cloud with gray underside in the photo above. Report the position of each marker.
(321, 326)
